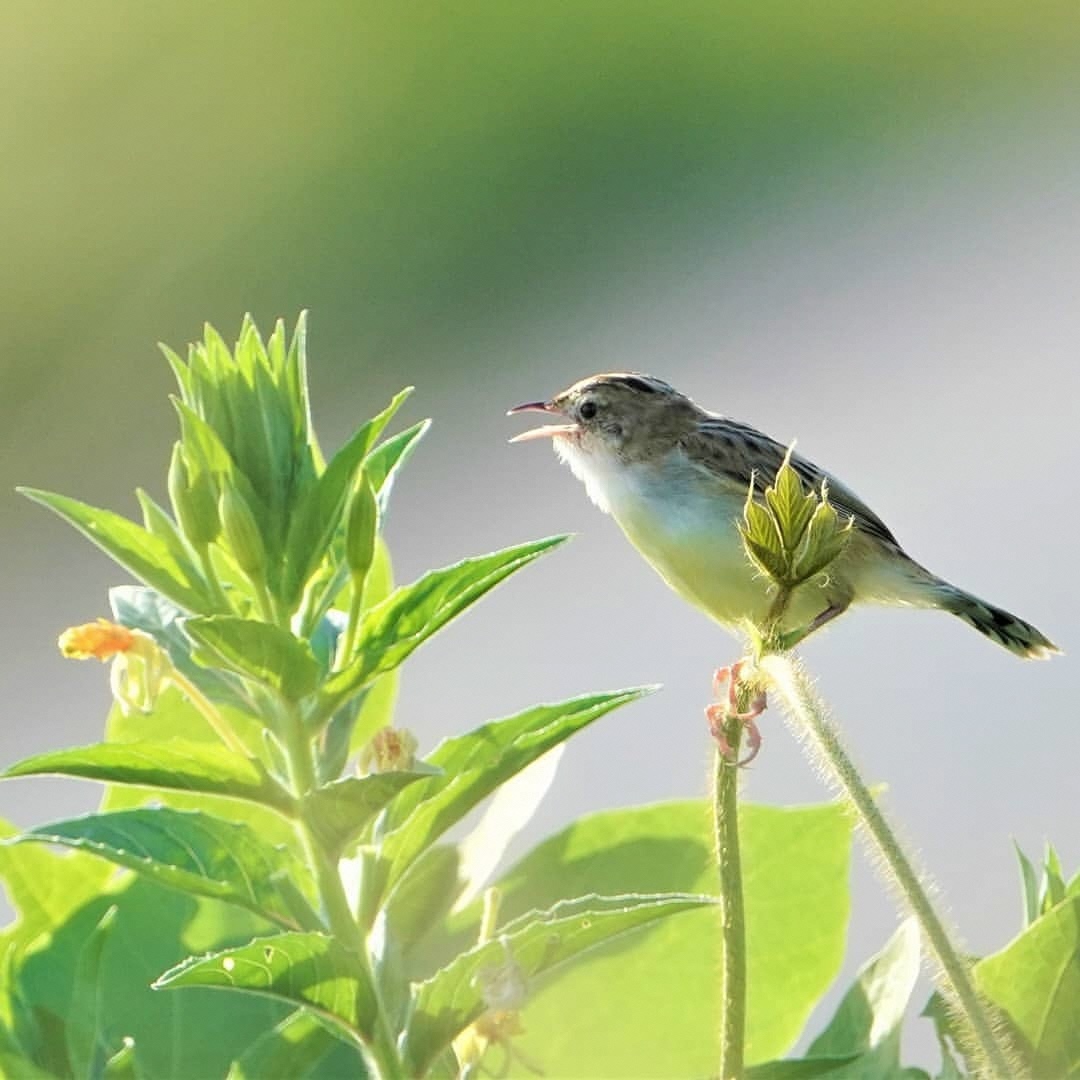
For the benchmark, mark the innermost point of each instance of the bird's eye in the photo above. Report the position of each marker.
(587, 410)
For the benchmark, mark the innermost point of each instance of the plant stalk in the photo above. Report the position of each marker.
(209, 712)
(808, 714)
(380, 1053)
(732, 912)
(212, 579)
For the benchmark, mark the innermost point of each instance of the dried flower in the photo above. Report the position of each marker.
(390, 750)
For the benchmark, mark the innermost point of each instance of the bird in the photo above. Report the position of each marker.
(675, 477)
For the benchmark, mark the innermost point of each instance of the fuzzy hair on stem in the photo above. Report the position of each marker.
(984, 1040)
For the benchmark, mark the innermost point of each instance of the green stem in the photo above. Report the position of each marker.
(732, 914)
(356, 604)
(808, 714)
(209, 712)
(380, 1052)
(264, 600)
(212, 579)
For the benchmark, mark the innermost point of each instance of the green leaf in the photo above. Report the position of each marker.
(43, 889)
(158, 523)
(762, 540)
(268, 654)
(477, 763)
(384, 462)
(318, 515)
(124, 1064)
(535, 943)
(60, 898)
(342, 810)
(183, 765)
(799, 1068)
(390, 631)
(83, 1032)
(826, 536)
(140, 608)
(791, 506)
(509, 810)
(795, 864)
(146, 556)
(290, 1050)
(1029, 886)
(869, 1019)
(191, 851)
(1053, 890)
(1036, 980)
(305, 969)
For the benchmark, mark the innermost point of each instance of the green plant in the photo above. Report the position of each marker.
(254, 662)
(268, 830)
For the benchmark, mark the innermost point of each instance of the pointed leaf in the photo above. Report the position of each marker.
(479, 762)
(1029, 886)
(290, 1049)
(190, 851)
(160, 524)
(178, 764)
(383, 463)
(1053, 886)
(341, 810)
(306, 969)
(537, 942)
(796, 864)
(766, 560)
(123, 1065)
(868, 1020)
(390, 631)
(792, 508)
(133, 547)
(319, 513)
(271, 656)
(1036, 980)
(826, 536)
(83, 1030)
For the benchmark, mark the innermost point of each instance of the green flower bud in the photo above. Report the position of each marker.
(242, 531)
(361, 529)
(194, 500)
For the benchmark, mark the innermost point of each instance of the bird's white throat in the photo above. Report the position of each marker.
(601, 473)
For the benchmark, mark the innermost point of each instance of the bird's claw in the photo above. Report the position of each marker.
(726, 684)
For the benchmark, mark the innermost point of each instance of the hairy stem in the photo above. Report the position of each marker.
(808, 714)
(380, 1053)
(732, 914)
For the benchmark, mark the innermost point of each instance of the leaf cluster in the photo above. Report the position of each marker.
(792, 534)
(267, 601)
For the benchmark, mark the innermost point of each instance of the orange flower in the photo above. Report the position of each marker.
(140, 667)
(101, 639)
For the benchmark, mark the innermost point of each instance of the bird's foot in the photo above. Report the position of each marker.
(729, 684)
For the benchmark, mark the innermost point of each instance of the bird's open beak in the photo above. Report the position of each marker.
(548, 430)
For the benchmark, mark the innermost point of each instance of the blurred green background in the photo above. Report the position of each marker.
(858, 224)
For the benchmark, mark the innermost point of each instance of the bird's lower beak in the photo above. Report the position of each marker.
(548, 430)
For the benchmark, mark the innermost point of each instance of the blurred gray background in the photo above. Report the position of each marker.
(855, 225)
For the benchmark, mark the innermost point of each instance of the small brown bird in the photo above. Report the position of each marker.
(675, 478)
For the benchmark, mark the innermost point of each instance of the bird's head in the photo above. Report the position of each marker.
(624, 415)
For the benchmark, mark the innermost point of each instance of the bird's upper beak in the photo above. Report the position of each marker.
(547, 430)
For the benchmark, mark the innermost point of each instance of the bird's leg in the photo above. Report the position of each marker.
(727, 684)
(794, 637)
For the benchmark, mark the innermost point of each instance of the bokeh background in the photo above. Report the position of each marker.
(854, 224)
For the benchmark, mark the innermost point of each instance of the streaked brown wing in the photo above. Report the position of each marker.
(739, 451)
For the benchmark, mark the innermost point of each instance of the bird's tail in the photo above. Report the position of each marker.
(998, 625)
